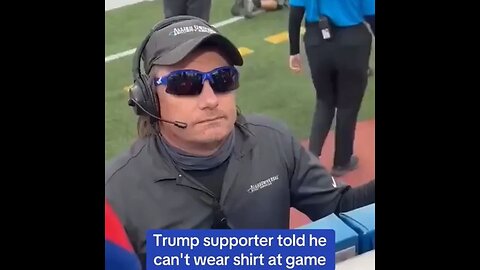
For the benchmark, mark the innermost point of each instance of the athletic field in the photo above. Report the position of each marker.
(267, 85)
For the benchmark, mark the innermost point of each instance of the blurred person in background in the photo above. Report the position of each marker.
(247, 7)
(197, 8)
(338, 46)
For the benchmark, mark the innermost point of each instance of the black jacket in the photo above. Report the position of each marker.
(268, 173)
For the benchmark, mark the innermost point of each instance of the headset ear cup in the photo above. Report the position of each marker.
(143, 96)
(137, 99)
(143, 99)
(149, 91)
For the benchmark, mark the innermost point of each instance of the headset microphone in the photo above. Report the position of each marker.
(178, 124)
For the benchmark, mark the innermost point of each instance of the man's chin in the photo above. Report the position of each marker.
(212, 135)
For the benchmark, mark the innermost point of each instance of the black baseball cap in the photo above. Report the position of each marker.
(174, 42)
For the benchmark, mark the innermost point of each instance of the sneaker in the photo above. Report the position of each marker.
(342, 170)
(237, 7)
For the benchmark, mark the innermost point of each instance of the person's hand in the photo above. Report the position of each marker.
(295, 63)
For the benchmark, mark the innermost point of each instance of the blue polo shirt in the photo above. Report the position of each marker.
(341, 12)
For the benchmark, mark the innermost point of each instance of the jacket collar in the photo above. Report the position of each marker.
(163, 168)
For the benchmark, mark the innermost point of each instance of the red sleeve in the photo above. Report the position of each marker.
(114, 231)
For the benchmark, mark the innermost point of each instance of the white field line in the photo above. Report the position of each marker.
(114, 4)
(216, 25)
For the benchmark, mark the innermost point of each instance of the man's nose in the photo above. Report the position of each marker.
(208, 98)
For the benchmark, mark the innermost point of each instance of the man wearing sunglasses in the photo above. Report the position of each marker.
(198, 162)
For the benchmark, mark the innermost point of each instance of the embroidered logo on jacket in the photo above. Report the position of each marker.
(262, 184)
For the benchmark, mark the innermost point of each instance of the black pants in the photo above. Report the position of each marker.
(339, 72)
(197, 8)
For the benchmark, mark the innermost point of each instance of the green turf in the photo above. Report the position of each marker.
(267, 85)
(126, 27)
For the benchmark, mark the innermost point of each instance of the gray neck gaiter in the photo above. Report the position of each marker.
(189, 162)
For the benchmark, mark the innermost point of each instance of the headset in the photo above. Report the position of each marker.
(143, 97)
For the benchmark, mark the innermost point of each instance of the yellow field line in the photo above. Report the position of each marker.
(281, 37)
